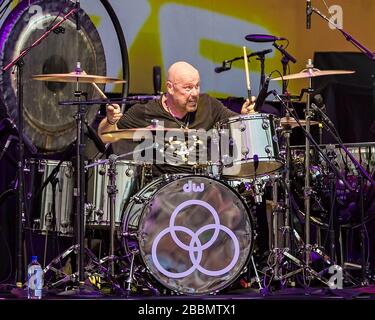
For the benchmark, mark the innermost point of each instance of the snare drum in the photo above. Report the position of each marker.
(193, 233)
(249, 146)
(128, 182)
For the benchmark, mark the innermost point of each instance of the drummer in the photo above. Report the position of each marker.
(182, 106)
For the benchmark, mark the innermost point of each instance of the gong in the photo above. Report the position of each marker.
(49, 126)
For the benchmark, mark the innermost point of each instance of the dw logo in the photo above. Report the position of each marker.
(192, 187)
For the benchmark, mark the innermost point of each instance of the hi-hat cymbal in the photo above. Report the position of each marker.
(74, 77)
(311, 73)
(139, 133)
(292, 123)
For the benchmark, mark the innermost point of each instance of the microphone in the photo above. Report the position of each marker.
(78, 6)
(322, 114)
(156, 77)
(263, 94)
(95, 138)
(308, 14)
(285, 53)
(262, 38)
(225, 67)
(221, 69)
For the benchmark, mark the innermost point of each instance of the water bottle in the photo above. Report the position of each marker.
(35, 279)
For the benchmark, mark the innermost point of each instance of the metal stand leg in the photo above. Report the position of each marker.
(129, 280)
(256, 273)
(112, 191)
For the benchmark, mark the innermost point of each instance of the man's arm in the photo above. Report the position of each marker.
(109, 123)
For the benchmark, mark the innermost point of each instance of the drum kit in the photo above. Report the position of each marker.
(184, 233)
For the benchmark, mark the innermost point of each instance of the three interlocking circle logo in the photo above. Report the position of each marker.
(195, 247)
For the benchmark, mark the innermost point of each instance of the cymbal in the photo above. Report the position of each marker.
(312, 73)
(293, 123)
(74, 77)
(139, 133)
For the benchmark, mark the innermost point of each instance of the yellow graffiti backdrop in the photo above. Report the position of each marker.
(281, 18)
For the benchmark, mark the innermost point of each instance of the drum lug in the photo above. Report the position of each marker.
(139, 199)
(132, 235)
(267, 149)
(42, 166)
(36, 224)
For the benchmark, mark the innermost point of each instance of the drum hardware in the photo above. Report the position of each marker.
(129, 280)
(77, 77)
(307, 189)
(288, 230)
(362, 176)
(18, 63)
(112, 191)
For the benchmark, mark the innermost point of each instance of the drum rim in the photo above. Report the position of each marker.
(173, 179)
(246, 117)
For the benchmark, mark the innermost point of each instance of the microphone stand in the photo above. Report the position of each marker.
(347, 36)
(18, 63)
(261, 58)
(285, 61)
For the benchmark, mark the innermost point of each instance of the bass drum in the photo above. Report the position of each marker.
(194, 234)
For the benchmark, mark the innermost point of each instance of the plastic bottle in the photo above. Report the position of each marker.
(35, 279)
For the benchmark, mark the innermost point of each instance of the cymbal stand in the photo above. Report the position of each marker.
(307, 189)
(287, 229)
(305, 265)
(112, 191)
(80, 183)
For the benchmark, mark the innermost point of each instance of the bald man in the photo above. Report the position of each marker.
(182, 106)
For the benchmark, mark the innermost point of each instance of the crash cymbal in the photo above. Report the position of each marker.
(311, 73)
(289, 121)
(139, 133)
(74, 77)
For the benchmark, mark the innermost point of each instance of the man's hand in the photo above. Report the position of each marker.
(248, 106)
(113, 113)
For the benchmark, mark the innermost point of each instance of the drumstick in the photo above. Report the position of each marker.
(99, 90)
(247, 74)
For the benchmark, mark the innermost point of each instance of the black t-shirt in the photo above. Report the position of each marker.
(209, 112)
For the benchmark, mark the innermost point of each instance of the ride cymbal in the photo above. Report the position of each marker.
(76, 77)
(312, 73)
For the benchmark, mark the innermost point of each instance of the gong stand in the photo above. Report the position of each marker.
(18, 63)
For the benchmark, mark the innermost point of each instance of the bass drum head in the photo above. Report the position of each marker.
(50, 127)
(195, 234)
